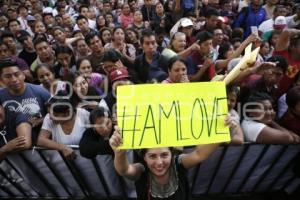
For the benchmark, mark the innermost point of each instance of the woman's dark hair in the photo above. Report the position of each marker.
(166, 6)
(169, 21)
(62, 102)
(97, 25)
(97, 113)
(111, 55)
(133, 30)
(264, 44)
(223, 49)
(237, 33)
(174, 59)
(75, 99)
(41, 65)
(142, 152)
(65, 50)
(101, 32)
(257, 97)
(236, 39)
(117, 28)
(79, 61)
(293, 97)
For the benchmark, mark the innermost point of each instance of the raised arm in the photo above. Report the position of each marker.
(203, 151)
(270, 135)
(187, 52)
(199, 74)
(200, 153)
(122, 166)
(70, 41)
(284, 39)
(221, 64)
(257, 68)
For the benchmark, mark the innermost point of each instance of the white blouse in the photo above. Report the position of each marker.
(58, 135)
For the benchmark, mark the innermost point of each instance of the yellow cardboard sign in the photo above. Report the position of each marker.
(164, 115)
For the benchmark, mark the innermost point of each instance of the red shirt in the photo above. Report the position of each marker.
(198, 59)
(292, 70)
(190, 40)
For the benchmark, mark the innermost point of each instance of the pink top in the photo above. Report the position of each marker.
(125, 21)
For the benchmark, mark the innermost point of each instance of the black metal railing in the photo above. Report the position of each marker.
(252, 168)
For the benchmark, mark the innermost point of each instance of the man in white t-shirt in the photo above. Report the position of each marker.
(280, 10)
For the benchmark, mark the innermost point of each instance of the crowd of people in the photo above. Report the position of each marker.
(62, 60)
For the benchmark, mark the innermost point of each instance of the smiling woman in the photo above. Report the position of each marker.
(161, 174)
(259, 124)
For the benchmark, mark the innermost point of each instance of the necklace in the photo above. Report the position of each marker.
(167, 190)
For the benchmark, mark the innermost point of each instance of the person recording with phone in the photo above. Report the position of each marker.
(203, 59)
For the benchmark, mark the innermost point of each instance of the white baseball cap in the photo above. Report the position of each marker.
(185, 22)
(280, 22)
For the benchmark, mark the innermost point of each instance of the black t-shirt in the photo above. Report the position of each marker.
(182, 193)
(28, 57)
(93, 144)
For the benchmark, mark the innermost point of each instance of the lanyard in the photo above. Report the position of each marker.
(3, 133)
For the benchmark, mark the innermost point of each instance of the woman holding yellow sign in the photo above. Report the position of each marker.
(161, 175)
